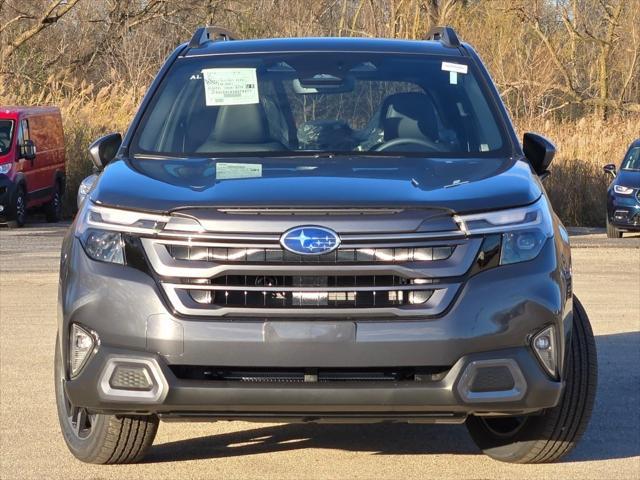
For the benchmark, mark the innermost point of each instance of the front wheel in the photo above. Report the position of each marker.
(53, 209)
(19, 207)
(551, 435)
(613, 232)
(96, 438)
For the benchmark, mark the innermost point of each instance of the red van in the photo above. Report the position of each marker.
(32, 162)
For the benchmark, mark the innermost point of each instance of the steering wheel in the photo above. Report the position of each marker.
(407, 141)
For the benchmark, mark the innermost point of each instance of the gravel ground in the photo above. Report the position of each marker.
(607, 280)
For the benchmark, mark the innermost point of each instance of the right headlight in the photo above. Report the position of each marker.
(524, 230)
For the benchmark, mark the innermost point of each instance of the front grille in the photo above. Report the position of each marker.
(293, 291)
(279, 255)
(381, 275)
(309, 375)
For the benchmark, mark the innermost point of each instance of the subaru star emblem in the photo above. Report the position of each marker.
(310, 240)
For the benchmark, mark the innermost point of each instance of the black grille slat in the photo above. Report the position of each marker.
(309, 375)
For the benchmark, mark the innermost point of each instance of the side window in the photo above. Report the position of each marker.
(23, 131)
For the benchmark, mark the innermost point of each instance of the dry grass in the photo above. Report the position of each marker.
(577, 185)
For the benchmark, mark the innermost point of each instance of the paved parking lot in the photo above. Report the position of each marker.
(607, 280)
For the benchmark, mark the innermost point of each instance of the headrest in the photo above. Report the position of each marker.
(409, 115)
(241, 124)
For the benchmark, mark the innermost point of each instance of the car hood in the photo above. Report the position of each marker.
(628, 178)
(455, 184)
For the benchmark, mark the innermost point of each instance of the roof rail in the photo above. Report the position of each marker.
(204, 34)
(446, 35)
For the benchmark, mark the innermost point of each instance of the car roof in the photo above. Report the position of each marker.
(16, 110)
(324, 44)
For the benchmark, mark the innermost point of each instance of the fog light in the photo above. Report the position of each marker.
(544, 345)
(419, 297)
(81, 345)
(131, 377)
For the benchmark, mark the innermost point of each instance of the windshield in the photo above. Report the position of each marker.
(6, 134)
(632, 160)
(321, 103)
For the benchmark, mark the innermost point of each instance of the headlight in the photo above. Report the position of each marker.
(524, 230)
(100, 229)
(622, 190)
(104, 246)
(5, 168)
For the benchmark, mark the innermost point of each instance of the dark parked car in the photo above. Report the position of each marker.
(623, 195)
(321, 230)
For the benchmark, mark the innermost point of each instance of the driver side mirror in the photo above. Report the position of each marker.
(104, 150)
(610, 168)
(539, 151)
(28, 150)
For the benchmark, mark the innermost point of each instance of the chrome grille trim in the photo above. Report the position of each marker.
(241, 288)
(370, 240)
(166, 266)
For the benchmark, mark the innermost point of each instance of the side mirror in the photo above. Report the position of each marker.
(103, 150)
(28, 150)
(610, 168)
(539, 151)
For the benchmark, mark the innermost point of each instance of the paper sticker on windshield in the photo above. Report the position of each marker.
(230, 86)
(227, 171)
(454, 67)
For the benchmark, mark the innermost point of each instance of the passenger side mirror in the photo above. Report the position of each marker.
(28, 150)
(610, 168)
(103, 150)
(539, 151)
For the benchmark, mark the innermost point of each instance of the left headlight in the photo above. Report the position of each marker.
(524, 230)
(5, 168)
(622, 190)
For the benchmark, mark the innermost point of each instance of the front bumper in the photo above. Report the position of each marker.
(623, 211)
(445, 400)
(493, 319)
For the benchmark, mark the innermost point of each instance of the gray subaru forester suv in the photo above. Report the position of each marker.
(321, 230)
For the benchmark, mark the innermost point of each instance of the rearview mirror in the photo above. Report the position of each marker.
(539, 151)
(323, 83)
(610, 168)
(28, 150)
(103, 150)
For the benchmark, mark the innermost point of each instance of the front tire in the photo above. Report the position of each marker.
(102, 439)
(613, 232)
(19, 207)
(551, 435)
(53, 209)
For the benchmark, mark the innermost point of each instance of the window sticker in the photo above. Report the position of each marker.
(453, 78)
(228, 171)
(230, 86)
(455, 67)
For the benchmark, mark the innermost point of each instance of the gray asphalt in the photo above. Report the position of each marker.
(607, 280)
